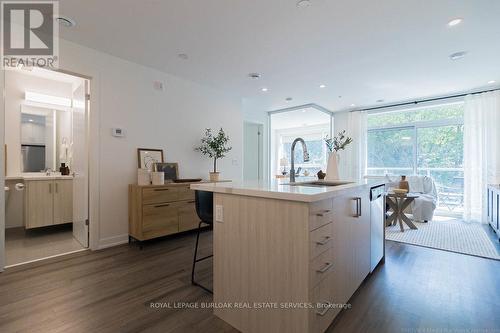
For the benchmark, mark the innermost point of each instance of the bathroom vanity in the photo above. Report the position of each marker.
(48, 200)
(287, 258)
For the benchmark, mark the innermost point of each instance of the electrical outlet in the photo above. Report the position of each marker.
(219, 213)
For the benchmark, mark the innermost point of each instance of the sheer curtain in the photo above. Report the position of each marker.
(357, 129)
(481, 152)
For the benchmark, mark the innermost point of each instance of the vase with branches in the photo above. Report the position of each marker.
(215, 146)
(334, 145)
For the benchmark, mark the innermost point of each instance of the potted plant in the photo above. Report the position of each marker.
(214, 146)
(334, 145)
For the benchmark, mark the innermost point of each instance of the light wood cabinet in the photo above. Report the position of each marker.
(156, 211)
(493, 206)
(48, 202)
(280, 251)
(63, 201)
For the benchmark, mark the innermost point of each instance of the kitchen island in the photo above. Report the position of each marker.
(287, 258)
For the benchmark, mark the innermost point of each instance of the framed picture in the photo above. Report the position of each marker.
(171, 171)
(147, 157)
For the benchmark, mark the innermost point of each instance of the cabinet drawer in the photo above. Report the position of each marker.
(159, 195)
(320, 267)
(188, 219)
(185, 193)
(326, 306)
(320, 240)
(160, 220)
(320, 213)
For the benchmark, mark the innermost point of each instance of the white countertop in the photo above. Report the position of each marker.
(279, 189)
(38, 176)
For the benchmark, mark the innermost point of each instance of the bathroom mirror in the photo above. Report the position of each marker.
(46, 135)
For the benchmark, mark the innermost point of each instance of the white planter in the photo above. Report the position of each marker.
(332, 168)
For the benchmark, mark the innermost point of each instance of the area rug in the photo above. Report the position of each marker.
(450, 235)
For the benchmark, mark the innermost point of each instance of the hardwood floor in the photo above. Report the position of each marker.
(111, 291)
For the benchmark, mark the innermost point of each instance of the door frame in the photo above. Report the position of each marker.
(93, 154)
(270, 141)
(261, 171)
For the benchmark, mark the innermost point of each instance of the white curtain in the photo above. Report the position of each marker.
(481, 152)
(357, 129)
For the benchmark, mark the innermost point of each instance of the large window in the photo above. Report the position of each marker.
(425, 141)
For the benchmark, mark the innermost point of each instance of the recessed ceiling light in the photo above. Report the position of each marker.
(183, 56)
(380, 100)
(30, 120)
(303, 111)
(492, 82)
(353, 105)
(455, 21)
(66, 21)
(254, 76)
(457, 55)
(303, 3)
(322, 86)
(264, 89)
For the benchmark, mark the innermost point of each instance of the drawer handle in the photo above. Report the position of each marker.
(161, 189)
(325, 268)
(324, 241)
(326, 306)
(326, 211)
(191, 201)
(164, 205)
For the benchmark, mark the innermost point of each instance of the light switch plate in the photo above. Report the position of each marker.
(219, 213)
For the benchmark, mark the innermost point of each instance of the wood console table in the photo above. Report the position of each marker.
(156, 211)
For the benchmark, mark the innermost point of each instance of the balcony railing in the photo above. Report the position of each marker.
(449, 183)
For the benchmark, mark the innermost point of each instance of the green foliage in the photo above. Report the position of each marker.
(437, 146)
(339, 142)
(214, 146)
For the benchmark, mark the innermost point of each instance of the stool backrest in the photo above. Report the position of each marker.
(205, 206)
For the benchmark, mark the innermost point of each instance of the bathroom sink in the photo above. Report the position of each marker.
(321, 183)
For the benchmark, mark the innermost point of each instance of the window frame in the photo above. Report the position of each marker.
(414, 126)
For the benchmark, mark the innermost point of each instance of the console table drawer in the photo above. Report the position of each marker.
(159, 195)
(185, 193)
(161, 218)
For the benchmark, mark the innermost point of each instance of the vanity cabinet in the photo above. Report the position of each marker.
(493, 205)
(48, 202)
(156, 211)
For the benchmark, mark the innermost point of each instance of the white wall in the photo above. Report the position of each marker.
(173, 120)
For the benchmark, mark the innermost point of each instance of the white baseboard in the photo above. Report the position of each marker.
(112, 241)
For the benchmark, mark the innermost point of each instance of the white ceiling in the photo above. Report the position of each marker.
(363, 50)
(299, 118)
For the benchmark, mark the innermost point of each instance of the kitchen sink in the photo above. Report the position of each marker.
(320, 183)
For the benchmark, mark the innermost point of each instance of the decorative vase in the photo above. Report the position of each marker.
(214, 176)
(403, 184)
(332, 168)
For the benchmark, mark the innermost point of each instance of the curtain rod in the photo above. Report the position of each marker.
(425, 100)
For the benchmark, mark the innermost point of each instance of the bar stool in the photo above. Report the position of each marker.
(204, 202)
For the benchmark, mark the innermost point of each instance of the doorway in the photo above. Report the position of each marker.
(46, 182)
(253, 151)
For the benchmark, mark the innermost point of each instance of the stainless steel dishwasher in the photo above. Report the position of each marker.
(377, 223)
